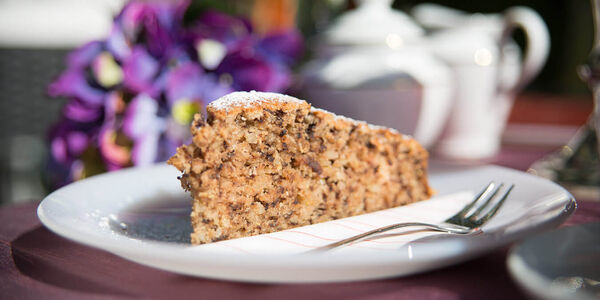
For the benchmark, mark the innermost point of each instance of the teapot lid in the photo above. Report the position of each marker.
(373, 22)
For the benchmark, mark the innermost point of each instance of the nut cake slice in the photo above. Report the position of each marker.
(264, 162)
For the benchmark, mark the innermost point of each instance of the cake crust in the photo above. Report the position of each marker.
(264, 162)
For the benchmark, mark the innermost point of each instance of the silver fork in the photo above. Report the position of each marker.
(468, 220)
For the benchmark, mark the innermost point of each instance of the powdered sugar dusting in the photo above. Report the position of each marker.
(248, 99)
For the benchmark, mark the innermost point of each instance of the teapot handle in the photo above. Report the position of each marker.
(537, 44)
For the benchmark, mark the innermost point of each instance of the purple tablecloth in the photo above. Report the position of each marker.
(36, 263)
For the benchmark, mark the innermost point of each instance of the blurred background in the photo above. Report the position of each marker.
(37, 36)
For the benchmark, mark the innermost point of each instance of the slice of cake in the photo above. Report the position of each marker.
(264, 162)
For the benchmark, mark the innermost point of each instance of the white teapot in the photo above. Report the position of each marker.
(374, 64)
(488, 71)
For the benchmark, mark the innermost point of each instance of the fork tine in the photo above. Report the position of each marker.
(473, 215)
(483, 194)
(496, 207)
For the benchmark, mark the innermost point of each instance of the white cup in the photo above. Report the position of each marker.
(488, 72)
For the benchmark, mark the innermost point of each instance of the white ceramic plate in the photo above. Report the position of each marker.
(561, 264)
(142, 215)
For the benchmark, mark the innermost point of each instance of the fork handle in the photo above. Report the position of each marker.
(434, 227)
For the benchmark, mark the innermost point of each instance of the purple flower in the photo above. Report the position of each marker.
(132, 96)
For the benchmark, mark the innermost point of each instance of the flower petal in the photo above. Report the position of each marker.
(117, 44)
(145, 150)
(72, 83)
(58, 149)
(68, 140)
(140, 69)
(184, 82)
(80, 111)
(77, 142)
(82, 56)
(249, 72)
(189, 83)
(282, 47)
(221, 27)
(141, 117)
